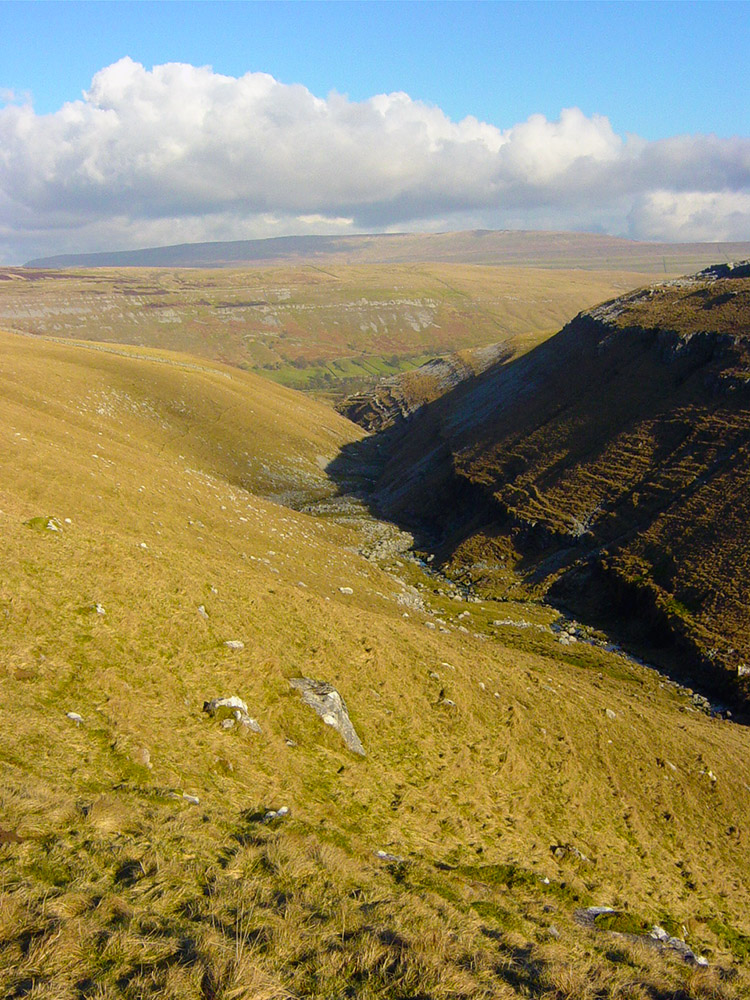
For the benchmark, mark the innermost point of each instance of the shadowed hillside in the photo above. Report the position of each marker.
(610, 468)
(171, 537)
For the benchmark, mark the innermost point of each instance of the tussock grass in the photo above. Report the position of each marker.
(114, 884)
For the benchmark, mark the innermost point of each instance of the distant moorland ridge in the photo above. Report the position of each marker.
(517, 248)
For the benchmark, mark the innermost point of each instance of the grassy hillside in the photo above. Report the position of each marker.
(515, 248)
(333, 330)
(154, 507)
(610, 465)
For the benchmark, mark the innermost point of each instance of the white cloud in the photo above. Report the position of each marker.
(693, 216)
(327, 221)
(181, 153)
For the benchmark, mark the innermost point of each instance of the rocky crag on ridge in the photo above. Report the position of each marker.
(395, 400)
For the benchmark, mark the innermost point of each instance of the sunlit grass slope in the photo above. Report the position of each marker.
(147, 511)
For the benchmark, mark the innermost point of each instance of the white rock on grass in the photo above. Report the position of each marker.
(230, 712)
(236, 644)
(385, 856)
(231, 703)
(202, 611)
(345, 590)
(330, 706)
(276, 814)
(75, 717)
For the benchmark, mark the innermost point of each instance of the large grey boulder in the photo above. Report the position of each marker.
(330, 706)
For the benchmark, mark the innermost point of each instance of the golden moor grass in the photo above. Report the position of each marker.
(176, 485)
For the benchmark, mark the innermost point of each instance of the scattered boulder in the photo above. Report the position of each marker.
(142, 756)
(391, 858)
(587, 917)
(330, 706)
(610, 714)
(75, 717)
(43, 524)
(236, 644)
(561, 851)
(230, 712)
(202, 611)
(657, 937)
(664, 940)
(273, 814)
(345, 590)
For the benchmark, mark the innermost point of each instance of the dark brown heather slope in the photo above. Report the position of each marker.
(611, 467)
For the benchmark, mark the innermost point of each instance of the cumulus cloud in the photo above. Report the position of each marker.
(693, 216)
(181, 153)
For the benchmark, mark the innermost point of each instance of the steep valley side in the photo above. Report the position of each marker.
(608, 470)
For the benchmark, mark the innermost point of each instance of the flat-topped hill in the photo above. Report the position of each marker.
(516, 248)
(610, 466)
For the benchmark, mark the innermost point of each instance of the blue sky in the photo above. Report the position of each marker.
(640, 75)
(654, 68)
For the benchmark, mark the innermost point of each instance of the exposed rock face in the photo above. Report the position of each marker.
(611, 466)
(394, 401)
(330, 706)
